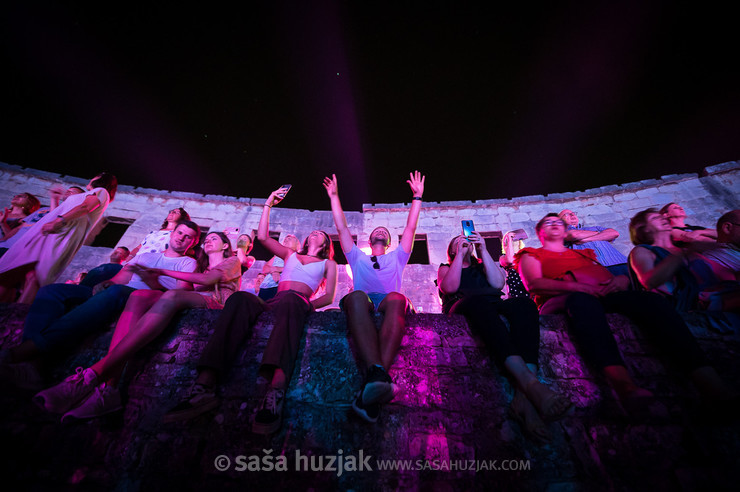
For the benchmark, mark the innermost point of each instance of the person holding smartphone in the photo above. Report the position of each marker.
(471, 286)
(303, 274)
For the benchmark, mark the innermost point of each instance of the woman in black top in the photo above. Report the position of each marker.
(472, 287)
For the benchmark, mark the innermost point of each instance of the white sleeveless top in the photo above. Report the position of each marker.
(310, 274)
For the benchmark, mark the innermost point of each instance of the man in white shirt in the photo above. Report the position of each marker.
(43, 334)
(377, 282)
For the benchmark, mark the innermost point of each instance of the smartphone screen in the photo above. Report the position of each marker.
(286, 188)
(468, 227)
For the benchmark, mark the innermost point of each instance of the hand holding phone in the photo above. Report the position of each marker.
(518, 235)
(284, 190)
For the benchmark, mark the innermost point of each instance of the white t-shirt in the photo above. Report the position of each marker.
(159, 260)
(383, 280)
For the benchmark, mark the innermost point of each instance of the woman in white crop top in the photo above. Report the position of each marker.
(303, 273)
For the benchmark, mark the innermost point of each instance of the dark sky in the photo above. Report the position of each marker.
(488, 101)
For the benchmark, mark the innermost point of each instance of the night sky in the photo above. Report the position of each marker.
(489, 101)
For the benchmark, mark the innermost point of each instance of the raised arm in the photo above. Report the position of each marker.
(90, 204)
(211, 277)
(330, 274)
(263, 230)
(340, 221)
(448, 277)
(416, 182)
(494, 273)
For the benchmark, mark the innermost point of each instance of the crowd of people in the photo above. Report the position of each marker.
(674, 268)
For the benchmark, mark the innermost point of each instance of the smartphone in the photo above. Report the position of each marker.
(285, 187)
(518, 235)
(231, 230)
(467, 227)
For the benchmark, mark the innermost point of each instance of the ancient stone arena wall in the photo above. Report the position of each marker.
(705, 197)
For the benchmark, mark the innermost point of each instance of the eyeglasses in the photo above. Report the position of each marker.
(376, 265)
(550, 223)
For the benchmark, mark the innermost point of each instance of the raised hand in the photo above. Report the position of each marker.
(276, 196)
(478, 240)
(331, 186)
(416, 182)
(463, 246)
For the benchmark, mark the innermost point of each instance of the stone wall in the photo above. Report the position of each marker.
(705, 197)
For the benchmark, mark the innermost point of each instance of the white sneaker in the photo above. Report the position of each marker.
(105, 399)
(69, 393)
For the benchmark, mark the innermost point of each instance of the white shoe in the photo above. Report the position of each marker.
(105, 399)
(69, 393)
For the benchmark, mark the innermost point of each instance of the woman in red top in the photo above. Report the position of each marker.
(572, 281)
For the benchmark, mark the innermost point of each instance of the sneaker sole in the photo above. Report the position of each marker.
(190, 413)
(378, 392)
(362, 413)
(67, 419)
(41, 402)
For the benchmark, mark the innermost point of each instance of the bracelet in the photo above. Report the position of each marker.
(266, 205)
(417, 198)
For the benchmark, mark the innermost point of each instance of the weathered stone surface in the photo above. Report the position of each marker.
(452, 408)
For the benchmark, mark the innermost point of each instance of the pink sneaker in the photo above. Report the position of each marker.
(69, 393)
(105, 399)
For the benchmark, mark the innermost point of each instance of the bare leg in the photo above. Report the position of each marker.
(146, 329)
(391, 333)
(548, 403)
(139, 302)
(30, 288)
(623, 383)
(362, 327)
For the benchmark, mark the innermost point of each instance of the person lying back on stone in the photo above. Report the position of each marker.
(50, 329)
(598, 238)
(472, 287)
(573, 282)
(727, 252)
(682, 234)
(146, 315)
(689, 279)
(158, 241)
(377, 283)
(303, 274)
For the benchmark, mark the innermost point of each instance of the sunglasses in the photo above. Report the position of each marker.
(376, 265)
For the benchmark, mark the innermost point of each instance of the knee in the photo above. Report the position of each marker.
(356, 301)
(395, 302)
